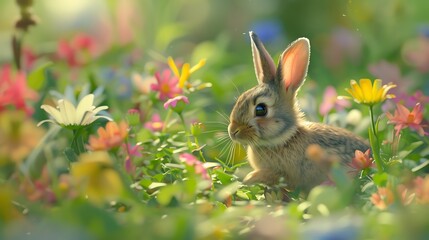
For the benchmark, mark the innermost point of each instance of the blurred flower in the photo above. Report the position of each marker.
(132, 151)
(29, 58)
(155, 124)
(403, 118)
(369, 94)
(95, 175)
(14, 90)
(67, 115)
(112, 136)
(143, 83)
(361, 161)
(385, 196)
(410, 101)
(77, 51)
(416, 53)
(175, 102)
(421, 189)
(191, 160)
(8, 212)
(390, 72)
(331, 100)
(39, 189)
(382, 198)
(186, 70)
(342, 45)
(19, 135)
(166, 85)
(268, 31)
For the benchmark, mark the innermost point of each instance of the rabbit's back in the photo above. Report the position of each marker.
(290, 160)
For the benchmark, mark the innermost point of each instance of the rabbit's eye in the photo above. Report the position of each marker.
(261, 110)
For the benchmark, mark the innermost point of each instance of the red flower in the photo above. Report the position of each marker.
(77, 51)
(14, 90)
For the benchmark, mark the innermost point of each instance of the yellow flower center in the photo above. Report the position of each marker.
(165, 88)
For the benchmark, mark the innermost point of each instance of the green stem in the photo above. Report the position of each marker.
(167, 118)
(77, 142)
(375, 145)
(186, 131)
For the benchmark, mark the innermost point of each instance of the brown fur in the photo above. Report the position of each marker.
(277, 143)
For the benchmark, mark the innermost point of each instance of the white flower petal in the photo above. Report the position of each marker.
(68, 112)
(47, 120)
(53, 112)
(86, 104)
(100, 108)
(87, 118)
(105, 117)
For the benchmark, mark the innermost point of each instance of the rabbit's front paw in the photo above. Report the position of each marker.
(260, 176)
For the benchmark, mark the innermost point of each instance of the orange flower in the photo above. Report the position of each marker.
(361, 161)
(384, 197)
(110, 137)
(421, 188)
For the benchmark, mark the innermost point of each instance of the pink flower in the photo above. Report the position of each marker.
(14, 90)
(156, 124)
(177, 104)
(172, 102)
(330, 101)
(166, 85)
(361, 161)
(191, 160)
(416, 53)
(403, 118)
(390, 72)
(132, 151)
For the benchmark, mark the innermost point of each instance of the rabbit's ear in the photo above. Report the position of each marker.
(264, 65)
(293, 64)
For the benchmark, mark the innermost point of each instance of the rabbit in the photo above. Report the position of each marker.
(268, 121)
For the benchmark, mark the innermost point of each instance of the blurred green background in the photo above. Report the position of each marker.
(346, 36)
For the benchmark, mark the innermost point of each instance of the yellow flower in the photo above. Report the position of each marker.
(186, 70)
(66, 114)
(369, 94)
(97, 178)
(19, 136)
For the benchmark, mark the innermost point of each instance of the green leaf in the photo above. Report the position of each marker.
(380, 179)
(228, 191)
(420, 166)
(409, 149)
(167, 193)
(154, 185)
(70, 155)
(36, 78)
(223, 177)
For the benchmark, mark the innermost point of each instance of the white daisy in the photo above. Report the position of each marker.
(66, 114)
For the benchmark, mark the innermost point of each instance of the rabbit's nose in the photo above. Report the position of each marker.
(233, 130)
